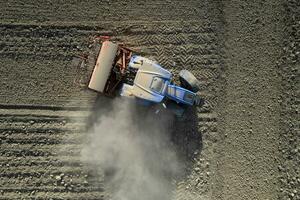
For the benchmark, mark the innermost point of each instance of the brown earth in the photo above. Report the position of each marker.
(242, 144)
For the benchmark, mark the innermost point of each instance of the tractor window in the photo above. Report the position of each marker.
(157, 84)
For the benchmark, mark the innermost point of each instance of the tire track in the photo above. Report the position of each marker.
(89, 12)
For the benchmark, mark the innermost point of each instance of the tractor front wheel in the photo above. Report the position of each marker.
(189, 81)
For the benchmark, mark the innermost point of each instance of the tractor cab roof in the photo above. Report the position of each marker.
(151, 82)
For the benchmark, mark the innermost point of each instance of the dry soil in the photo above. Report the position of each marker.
(243, 143)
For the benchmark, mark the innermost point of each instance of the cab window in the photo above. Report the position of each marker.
(157, 84)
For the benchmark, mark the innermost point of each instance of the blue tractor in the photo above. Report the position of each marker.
(119, 71)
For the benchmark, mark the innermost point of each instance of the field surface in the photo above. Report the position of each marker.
(243, 143)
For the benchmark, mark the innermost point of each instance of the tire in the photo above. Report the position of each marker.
(189, 81)
(199, 101)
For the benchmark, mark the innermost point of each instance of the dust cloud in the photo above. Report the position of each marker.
(132, 147)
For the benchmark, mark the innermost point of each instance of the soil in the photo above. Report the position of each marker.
(243, 143)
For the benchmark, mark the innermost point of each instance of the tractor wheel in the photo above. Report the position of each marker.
(199, 101)
(189, 81)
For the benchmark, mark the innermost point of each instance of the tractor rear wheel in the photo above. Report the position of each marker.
(189, 81)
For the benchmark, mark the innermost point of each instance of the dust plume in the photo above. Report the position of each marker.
(132, 147)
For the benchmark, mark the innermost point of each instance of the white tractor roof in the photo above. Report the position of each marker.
(151, 82)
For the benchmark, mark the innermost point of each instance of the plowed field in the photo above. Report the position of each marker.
(243, 143)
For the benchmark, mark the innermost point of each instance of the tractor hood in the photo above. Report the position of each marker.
(151, 82)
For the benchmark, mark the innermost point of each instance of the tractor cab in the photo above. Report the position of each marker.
(153, 83)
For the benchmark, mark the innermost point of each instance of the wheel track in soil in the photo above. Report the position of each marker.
(42, 141)
(89, 12)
